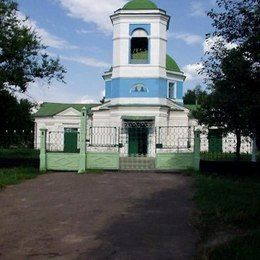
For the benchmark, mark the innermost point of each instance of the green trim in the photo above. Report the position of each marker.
(140, 5)
(43, 166)
(138, 118)
(83, 131)
(171, 64)
(51, 109)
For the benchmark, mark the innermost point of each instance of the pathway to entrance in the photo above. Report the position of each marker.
(98, 216)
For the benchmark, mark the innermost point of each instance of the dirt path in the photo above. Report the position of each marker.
(108, 216)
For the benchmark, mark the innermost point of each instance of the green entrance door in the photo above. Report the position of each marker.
(138, 140)
(215, 141)
(70, 140)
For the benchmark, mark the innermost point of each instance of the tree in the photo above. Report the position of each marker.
(17, 121)
(195, 96)
(232, 70)
(230, 106)
(23, 58)
(237, 21)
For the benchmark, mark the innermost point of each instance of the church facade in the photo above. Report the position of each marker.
(144, 81)
(143, 87)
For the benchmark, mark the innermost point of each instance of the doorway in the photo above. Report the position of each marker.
(71, 140)
(138, 141)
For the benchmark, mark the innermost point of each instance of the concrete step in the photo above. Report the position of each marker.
(137, 163)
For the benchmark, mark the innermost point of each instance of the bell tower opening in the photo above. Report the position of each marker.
(139, 50)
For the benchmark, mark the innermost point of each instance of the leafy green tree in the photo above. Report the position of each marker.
(232, 70)
(230, 105)
(17, 121)
(237, 21)
(23, 58)
(15, 115)
(195, 96)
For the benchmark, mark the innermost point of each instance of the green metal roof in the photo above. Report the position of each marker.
(51, 109)
(140, 5)
(171, 64)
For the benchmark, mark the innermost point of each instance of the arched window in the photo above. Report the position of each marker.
(139, 51)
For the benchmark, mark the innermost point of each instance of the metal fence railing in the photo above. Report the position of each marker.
(63, 141)
(102, 137)
(144, 139)
(175, 138)
(224, 148)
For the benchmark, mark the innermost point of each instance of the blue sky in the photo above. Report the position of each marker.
(80, 33)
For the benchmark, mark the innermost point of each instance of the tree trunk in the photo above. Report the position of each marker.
(238, 146)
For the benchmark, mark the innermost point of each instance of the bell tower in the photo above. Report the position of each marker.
(141, 68)
(139, 40)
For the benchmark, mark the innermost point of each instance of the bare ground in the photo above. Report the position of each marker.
(98, 216)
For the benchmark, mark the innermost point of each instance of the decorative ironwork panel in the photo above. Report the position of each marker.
(137, 138)
(103, 136)
(63, 141)
(224, 147)
(175, 139)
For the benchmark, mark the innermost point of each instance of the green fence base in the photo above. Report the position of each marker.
(102, 161)
(174, 161)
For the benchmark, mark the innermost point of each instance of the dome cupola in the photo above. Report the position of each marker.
(140, 5)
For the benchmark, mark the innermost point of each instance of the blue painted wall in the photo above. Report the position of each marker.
(146, 27)
(108, 85)
(154, 87)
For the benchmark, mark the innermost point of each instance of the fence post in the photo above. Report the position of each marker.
(254, 149)
(196, 156)
(43, 159)
(83, 126)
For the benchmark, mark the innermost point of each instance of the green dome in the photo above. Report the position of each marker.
(140, 5)
(171, 64)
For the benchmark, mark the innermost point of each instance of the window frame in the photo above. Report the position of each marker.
(174, 91)
(143, 62)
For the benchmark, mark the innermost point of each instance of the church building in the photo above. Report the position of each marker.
(143, 87)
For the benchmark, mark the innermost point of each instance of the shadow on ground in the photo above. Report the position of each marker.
(154, 228)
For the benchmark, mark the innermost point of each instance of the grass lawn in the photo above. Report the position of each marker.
(19, 153)
(16, 175)
(228, 217)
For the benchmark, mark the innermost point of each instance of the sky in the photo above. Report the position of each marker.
(79, 32)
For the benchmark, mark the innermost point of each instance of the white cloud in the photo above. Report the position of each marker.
(90, 11)
(188, 38)
(197, 9)
(87, 61)
(210, 42)
(84, 31)
(47, 38)
(192, 72)
(38, 92)
(87, 100)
